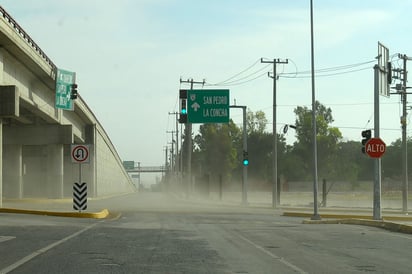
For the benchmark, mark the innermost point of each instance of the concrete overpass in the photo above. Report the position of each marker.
(35, 137)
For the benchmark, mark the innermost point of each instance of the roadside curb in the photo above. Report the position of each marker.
(352, 219)
(348, 216)
(394, 227)
(92, 215)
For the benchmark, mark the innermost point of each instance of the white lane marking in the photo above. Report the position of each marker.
(6, 238)
(43, 250)
(270, 254)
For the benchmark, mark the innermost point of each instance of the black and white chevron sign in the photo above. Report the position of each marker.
(80, 196)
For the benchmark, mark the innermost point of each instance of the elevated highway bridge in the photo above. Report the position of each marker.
(35, 136)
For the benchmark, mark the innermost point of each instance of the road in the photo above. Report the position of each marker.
(162, 233)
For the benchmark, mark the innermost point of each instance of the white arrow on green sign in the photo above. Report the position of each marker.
(208, 106)
(64, 80)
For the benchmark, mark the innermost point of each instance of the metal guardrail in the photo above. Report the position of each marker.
(26, 37)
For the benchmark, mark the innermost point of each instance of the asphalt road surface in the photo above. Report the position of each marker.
(162, 233)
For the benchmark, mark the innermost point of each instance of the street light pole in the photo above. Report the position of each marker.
(316, 215)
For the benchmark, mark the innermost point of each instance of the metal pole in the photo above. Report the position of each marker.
(166, 148)
(244, 176)
(177, 165)
(275, 201)
(377, 214)
(80, 173)
(404, 139)
(244, 189)
(316, 215)
(181, 153)
(139, 174)
(188, 134)
(220, 187)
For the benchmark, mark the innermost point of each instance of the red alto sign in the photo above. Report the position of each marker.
(375, 148)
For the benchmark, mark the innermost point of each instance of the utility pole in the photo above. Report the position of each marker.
(188, 135)
(275, 188)
(166, 179)
(401, 89)
(172, 157)
(403, 94)
(177, 163)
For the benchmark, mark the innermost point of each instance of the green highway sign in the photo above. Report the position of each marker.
(128, 165)
(208, 106)
(64, 80)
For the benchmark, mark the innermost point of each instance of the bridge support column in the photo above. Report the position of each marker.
(13, 180)
(1, 162)
(91, 180)
(55, 171)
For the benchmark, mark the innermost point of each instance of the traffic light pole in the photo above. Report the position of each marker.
(188, 135)
(244, 178)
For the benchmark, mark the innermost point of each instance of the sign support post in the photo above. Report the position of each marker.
(377, 212)
(80, 154)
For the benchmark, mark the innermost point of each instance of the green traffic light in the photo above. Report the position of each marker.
(184, 111)
(245, 162)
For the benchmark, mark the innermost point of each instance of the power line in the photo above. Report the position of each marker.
(324, 75)
(237, 74)
(240, 80)
(324, 72)
(236, 83)
(332, 71)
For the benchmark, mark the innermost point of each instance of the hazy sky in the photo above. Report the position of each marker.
(130, 54)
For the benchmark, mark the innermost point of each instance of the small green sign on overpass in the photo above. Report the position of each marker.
(128, 165)
(208, 106)
(64, 81)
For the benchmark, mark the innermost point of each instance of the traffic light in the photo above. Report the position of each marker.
(183, 106)
(183, 111)
(245, 158)
(389, 73)
(73, 91)
(182, 93)
(366, 135)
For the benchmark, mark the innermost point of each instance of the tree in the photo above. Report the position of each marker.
(327, 138)
(216, 152)
(260, 156)
(256, 122)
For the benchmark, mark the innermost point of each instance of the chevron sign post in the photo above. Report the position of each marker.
(80, 196)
